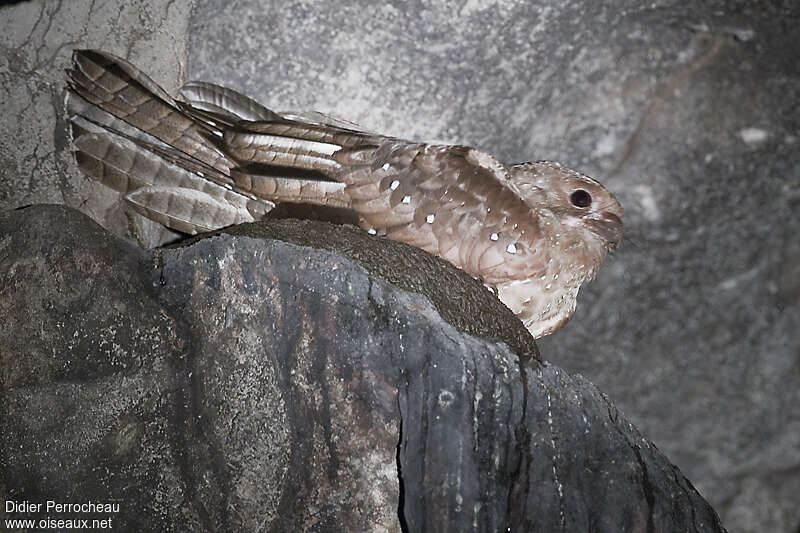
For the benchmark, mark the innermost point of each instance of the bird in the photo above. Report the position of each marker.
(532, 232)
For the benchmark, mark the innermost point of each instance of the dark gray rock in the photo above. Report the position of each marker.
(243, 383)
(94, 381)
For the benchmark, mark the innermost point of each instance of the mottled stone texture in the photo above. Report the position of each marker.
(239, 383)
(689, 111)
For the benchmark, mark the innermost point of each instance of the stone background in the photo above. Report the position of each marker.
(691, 114)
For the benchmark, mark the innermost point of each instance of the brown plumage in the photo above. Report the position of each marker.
(532, 232)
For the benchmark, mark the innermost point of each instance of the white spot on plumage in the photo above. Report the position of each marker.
(372, 231)
(385, 166)
(406, 199)
(395, 184)
(511, 248)
(494, 236)
(429, 219)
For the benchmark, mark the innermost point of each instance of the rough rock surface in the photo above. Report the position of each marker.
(243, 383)
(689, 111)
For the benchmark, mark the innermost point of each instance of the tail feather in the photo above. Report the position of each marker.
(215, 159)
(311, 132)
(221, 100)
(161, 191)
(280, 149)
(316, 118)
(120, 73)
(127, 165)
(295, 144)
(139, 143)
(281, 189)
(119, 88)
(120, 169)
(190, 210)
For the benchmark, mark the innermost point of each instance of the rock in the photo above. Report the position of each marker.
(243, 382)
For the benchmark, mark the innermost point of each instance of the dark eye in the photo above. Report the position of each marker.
(581, 198)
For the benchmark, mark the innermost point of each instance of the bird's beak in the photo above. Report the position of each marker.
(607, 226)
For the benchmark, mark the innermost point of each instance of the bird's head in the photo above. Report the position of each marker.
(576, 200)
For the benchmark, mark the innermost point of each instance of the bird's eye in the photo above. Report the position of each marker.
(581, 198)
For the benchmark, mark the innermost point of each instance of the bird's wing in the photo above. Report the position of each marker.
(452, 201)
(455, 202)
(226, 102)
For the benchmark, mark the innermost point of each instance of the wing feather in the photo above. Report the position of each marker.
(221, 100)
(437, 198)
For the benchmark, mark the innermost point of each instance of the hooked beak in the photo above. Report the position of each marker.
(607, 226)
